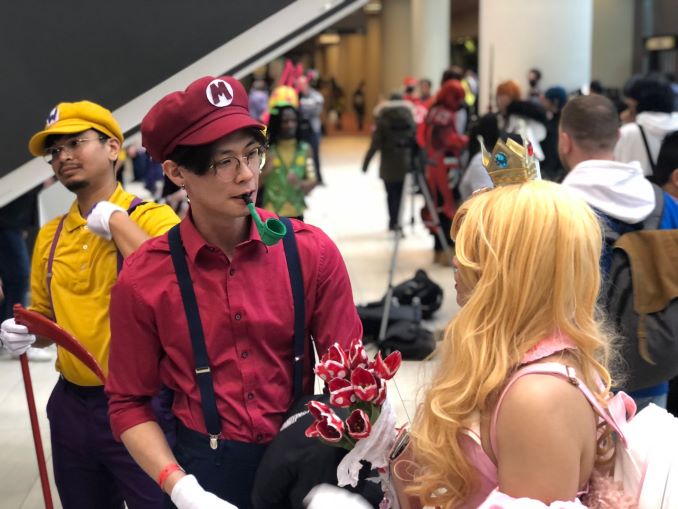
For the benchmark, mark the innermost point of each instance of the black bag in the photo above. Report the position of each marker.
(371, 314)
(422, 289)
(412, 340)
(293, 464)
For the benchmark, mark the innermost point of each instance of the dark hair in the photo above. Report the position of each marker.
(654, 96)
(453, 73)
(667, 161)
(49, 140)
(596, 87)
(275, 124)
(487, 127)
(197, 158)
(592, 121)
(427, 81)
(536, 72)
(651, 95)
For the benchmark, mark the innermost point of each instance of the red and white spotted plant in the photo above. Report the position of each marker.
(356, 383)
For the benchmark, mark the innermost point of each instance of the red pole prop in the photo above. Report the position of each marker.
(35, 425)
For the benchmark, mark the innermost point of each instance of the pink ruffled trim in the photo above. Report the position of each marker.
(606, 493)
(548, 346)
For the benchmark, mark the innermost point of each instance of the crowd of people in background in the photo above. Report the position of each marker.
(618, 153)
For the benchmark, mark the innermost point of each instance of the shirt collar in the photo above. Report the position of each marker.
(194, 242)
(74, 218)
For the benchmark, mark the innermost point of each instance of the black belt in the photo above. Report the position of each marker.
(85, 390)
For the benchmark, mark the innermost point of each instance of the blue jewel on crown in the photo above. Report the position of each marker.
(501, 160)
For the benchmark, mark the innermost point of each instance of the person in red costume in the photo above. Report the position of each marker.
(443, 145)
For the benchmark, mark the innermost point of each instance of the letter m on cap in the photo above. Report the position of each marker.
(220, 93)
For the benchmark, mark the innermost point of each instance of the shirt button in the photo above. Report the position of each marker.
(250, 395)
(260, 437)
(84, 246)
(232, 272)
(238, 316)
(244, 355)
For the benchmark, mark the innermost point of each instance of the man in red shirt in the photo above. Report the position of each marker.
(213, 149)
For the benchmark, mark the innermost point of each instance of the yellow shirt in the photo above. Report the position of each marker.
(85, 268)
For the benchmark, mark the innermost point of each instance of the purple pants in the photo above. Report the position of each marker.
(91, 469)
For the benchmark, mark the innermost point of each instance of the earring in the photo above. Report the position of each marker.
(183, 188)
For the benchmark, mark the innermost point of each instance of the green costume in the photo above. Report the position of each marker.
(280, 195)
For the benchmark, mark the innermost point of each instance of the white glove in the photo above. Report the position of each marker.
(14, 337)
(98, 218)
(188, 494)
(326, 496)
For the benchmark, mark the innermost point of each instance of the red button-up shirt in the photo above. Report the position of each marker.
(247, 313)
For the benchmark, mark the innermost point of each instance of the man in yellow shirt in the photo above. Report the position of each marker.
(75, 263)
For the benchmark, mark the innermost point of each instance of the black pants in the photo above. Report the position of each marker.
(394, 194)
(446, 226)
(228, 471)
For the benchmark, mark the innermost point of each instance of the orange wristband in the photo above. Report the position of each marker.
(166, 472)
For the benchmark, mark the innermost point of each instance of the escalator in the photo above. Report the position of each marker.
(128, 54)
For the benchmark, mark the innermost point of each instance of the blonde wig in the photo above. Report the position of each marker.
(531, 254)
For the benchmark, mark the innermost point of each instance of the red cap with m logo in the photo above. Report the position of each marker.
(209, 109)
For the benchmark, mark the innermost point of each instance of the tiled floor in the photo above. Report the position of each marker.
(351, 208)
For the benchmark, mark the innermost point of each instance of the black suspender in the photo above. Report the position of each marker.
(202, 370)
(297, 283)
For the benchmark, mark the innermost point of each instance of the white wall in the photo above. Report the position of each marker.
(430, 38)
(552, 35)
(613, 35)
(395, 44)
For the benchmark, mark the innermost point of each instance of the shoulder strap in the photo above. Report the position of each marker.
(559, 370)
(652, 221)
(50, 262)
(647, 148)
(136, 201)
(297, 284)
(203, 372)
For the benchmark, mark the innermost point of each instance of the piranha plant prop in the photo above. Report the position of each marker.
(358, 384)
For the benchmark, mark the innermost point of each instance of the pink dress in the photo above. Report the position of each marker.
(603, 493)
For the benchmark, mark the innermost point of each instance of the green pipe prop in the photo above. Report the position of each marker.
(271, 231)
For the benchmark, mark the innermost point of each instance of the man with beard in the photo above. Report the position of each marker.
(589, 130)
(75, 263)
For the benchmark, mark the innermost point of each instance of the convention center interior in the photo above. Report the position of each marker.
(283, 254)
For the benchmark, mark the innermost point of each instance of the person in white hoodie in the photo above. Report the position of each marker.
(655, 118)
(618, 191)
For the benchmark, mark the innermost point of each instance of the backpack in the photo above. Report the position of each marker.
(371, 315)
(641, 298)
(422, 289)
(414, 341)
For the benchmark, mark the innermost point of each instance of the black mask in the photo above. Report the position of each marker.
(533, 83)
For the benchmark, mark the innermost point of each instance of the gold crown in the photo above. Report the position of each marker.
(510, 162)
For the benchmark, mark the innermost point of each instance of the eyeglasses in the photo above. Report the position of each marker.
(70, 147)
(254, 159)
